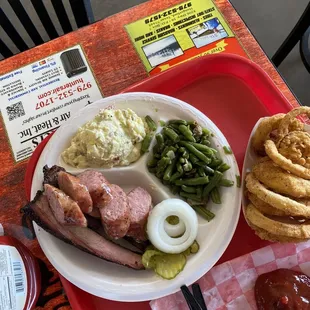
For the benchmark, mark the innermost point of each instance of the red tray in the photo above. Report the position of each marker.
(234, 93)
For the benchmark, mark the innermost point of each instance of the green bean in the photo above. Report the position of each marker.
(187, 133)
(208, 170)
(238, 179)
(190, 196)
(169, 170)
(191, 123)
(201, 172)
(165, 182)
(178, 121)
(205, 213)
(169, 142)
(223, 167)
(152, 162)
(167, 149)
(175, 127)
(191, 173)
(226, 183)
(159, 174)
(171, 134)
(176, 176)
(206, 132)
(196, 152)
(195, 203)
(163, 163)
(160, 140)
(214, 181)
(215, 162)
(194, 159)
(182, 149)
(162, 123)
(158, 156)
(215, 196)
(151, 124)
(205, 141)
(179, 167)
(201, 163)
(170, 154)
(182, 160)
(188, 189)
(185, 154)
(227, 150)
(193, 181)
(174, 189)
(187, 166)
(204, 148)
(146, 143)
(199, 191)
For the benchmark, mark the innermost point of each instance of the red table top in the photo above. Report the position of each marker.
(116, 66)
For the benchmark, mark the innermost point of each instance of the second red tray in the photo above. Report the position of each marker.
(234, 93)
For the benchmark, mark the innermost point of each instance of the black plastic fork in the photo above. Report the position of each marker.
(194, 301)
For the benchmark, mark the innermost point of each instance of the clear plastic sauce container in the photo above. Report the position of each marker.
(20, 278)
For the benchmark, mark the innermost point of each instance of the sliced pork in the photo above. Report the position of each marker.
(85, 239)
(73, 187)
(98, 187)
(140, 204)
(65, 209)
(115, 214)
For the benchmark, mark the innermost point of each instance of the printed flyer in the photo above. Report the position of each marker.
(188, 30)
(38, 98)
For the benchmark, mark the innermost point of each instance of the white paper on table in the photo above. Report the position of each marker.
(231, 284)
(37, 98)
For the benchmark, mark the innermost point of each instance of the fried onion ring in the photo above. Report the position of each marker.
(265, 235)
(284, 126)
(280, 180)
(285, 163)
(264, 207)
(296, 147)
(263, 130)
(276, 227)
(285, 204)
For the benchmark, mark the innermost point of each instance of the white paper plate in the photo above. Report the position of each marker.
(112, 281)
(250, 159)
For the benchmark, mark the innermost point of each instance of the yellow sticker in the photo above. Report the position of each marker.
(181, 33)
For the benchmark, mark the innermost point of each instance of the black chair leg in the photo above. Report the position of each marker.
(293, 38)
(305, 49)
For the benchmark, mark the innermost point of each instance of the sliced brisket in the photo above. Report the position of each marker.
(83, 238)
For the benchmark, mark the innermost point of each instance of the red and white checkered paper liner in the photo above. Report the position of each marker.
(231, 284)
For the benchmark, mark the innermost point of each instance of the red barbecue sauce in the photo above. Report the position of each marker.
(20, 275)
(283, 289)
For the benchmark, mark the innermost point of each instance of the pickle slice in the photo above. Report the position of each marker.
(168, 266)
(194, 248)
(187, 252)
(148, 258)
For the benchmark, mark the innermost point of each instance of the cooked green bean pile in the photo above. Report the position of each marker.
(184, 160)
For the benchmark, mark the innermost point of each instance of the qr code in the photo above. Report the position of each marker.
(15, 110)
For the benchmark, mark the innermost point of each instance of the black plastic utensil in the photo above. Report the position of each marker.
(196, 301)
